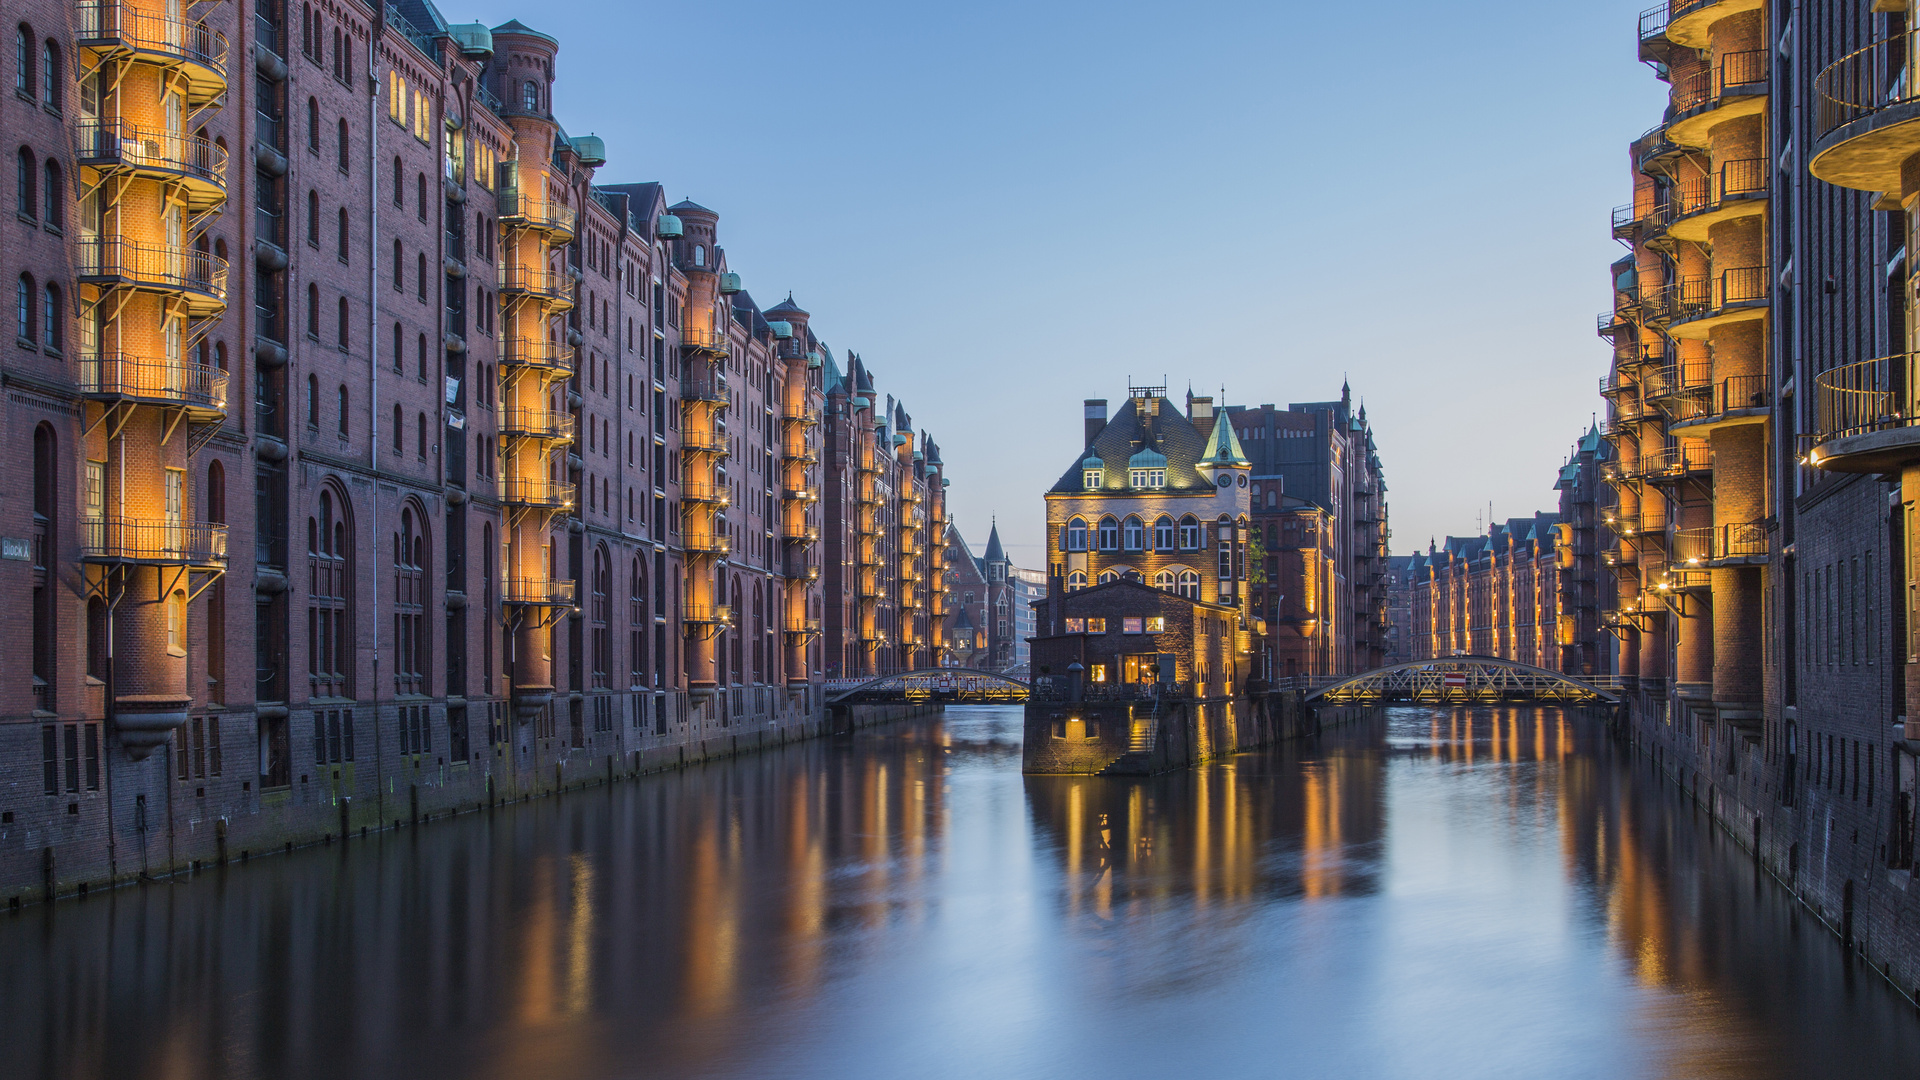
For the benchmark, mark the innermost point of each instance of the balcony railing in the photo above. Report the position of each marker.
(1719, 543)
(555, 356)
(105, 143)
(1736, 180)
(709, 386)
(803, 628)
(1676, 462)
(1653, 23)
(199, 385)
(554, 288)
(537, 592)
(1703, 296)
(534, 491)
(1702, 85)
(153, 32)
(528, 423)
(709, 614)
(1871, 395)
(705, 494)
(803, 494)
(707, 341)
(1735, 394)
(153, 540)
(519, 208)
(1687, 377)
(152, 266)
(705, 442)
(708, 545)
(806, 455)
(1867, 81)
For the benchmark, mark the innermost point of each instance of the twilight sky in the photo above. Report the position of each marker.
(1008, 207)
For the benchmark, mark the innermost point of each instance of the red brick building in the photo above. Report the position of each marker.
(376, 457)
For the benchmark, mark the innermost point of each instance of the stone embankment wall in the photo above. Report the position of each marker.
(383, 791)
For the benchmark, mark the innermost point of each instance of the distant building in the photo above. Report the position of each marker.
(1318, 502)
(1399, 637)
(989, 605)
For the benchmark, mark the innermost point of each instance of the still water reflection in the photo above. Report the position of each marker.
(1442, 893)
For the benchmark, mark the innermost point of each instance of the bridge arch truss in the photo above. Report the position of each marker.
(930, 684)
(1461, 680)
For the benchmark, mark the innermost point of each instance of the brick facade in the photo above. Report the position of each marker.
(408, 465)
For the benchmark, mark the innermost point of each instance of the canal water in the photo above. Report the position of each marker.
(1473, 893)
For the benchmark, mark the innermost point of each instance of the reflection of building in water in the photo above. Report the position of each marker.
(1251, 826)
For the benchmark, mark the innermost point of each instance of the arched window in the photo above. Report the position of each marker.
(529, 96)
(759, 635)
(343, 412)
(421, 373)
(313, 125)
(1273, 498)
(1163, 533)
(599, 613)
(399, 270)
(54, 197)
(313, 218)
(26, 201)
(739, 621)
(1189, 533)
(399, 337)
(399, 181)
(699, 255)
(1166, 580)
(177, 622)
(313, 311)
(1190, 584)
(330, 641)
(343, 322)
(420, 204)
(50, 74)
(24, 309)
(346, 233)
(420, 276)
(51, 320)
(399, 430)
(1076, 581)
(313, 401)
(344, 150)
(1109, 534)
(637, 626)
(23, 60)
(410, 634)
(1077, 534)
(1224, 546)
(1133, 533)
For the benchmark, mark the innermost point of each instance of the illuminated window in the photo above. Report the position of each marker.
(1134, 533)
(1076, 581)
(1156, 624)
(1163, 533)
(1096, 626)
(1133, 624)
(1076, 626)
(1190, 585)
(1164, 580)
(1148, 478)
(177, 622)
(1109, 534)
(1097, 673)
(1189, 533)
(1090, 478)
(1077, 534)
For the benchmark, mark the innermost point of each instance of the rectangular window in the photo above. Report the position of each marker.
(95, 494)
(1096, 626)
(1133, 624)
(1097, 673)
(1156, 624)
(50, 759)
(72, 734)
(1074, 626)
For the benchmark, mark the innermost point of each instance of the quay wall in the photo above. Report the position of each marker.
(145, 823)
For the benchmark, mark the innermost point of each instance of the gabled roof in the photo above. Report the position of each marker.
(1127, 433)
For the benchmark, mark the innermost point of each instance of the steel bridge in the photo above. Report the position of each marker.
(929, 684)
(1461, 680)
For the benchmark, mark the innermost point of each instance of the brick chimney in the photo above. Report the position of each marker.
(1096, 417)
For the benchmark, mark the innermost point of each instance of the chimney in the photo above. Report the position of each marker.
(1200, 411)
(1096, 417)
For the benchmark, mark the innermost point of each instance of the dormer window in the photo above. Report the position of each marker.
(1090, 478)
(1147, 478)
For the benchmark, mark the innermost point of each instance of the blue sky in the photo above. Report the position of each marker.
(1008, 207)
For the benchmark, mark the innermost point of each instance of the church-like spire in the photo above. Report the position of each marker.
(1223, 446)
(995, 553)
